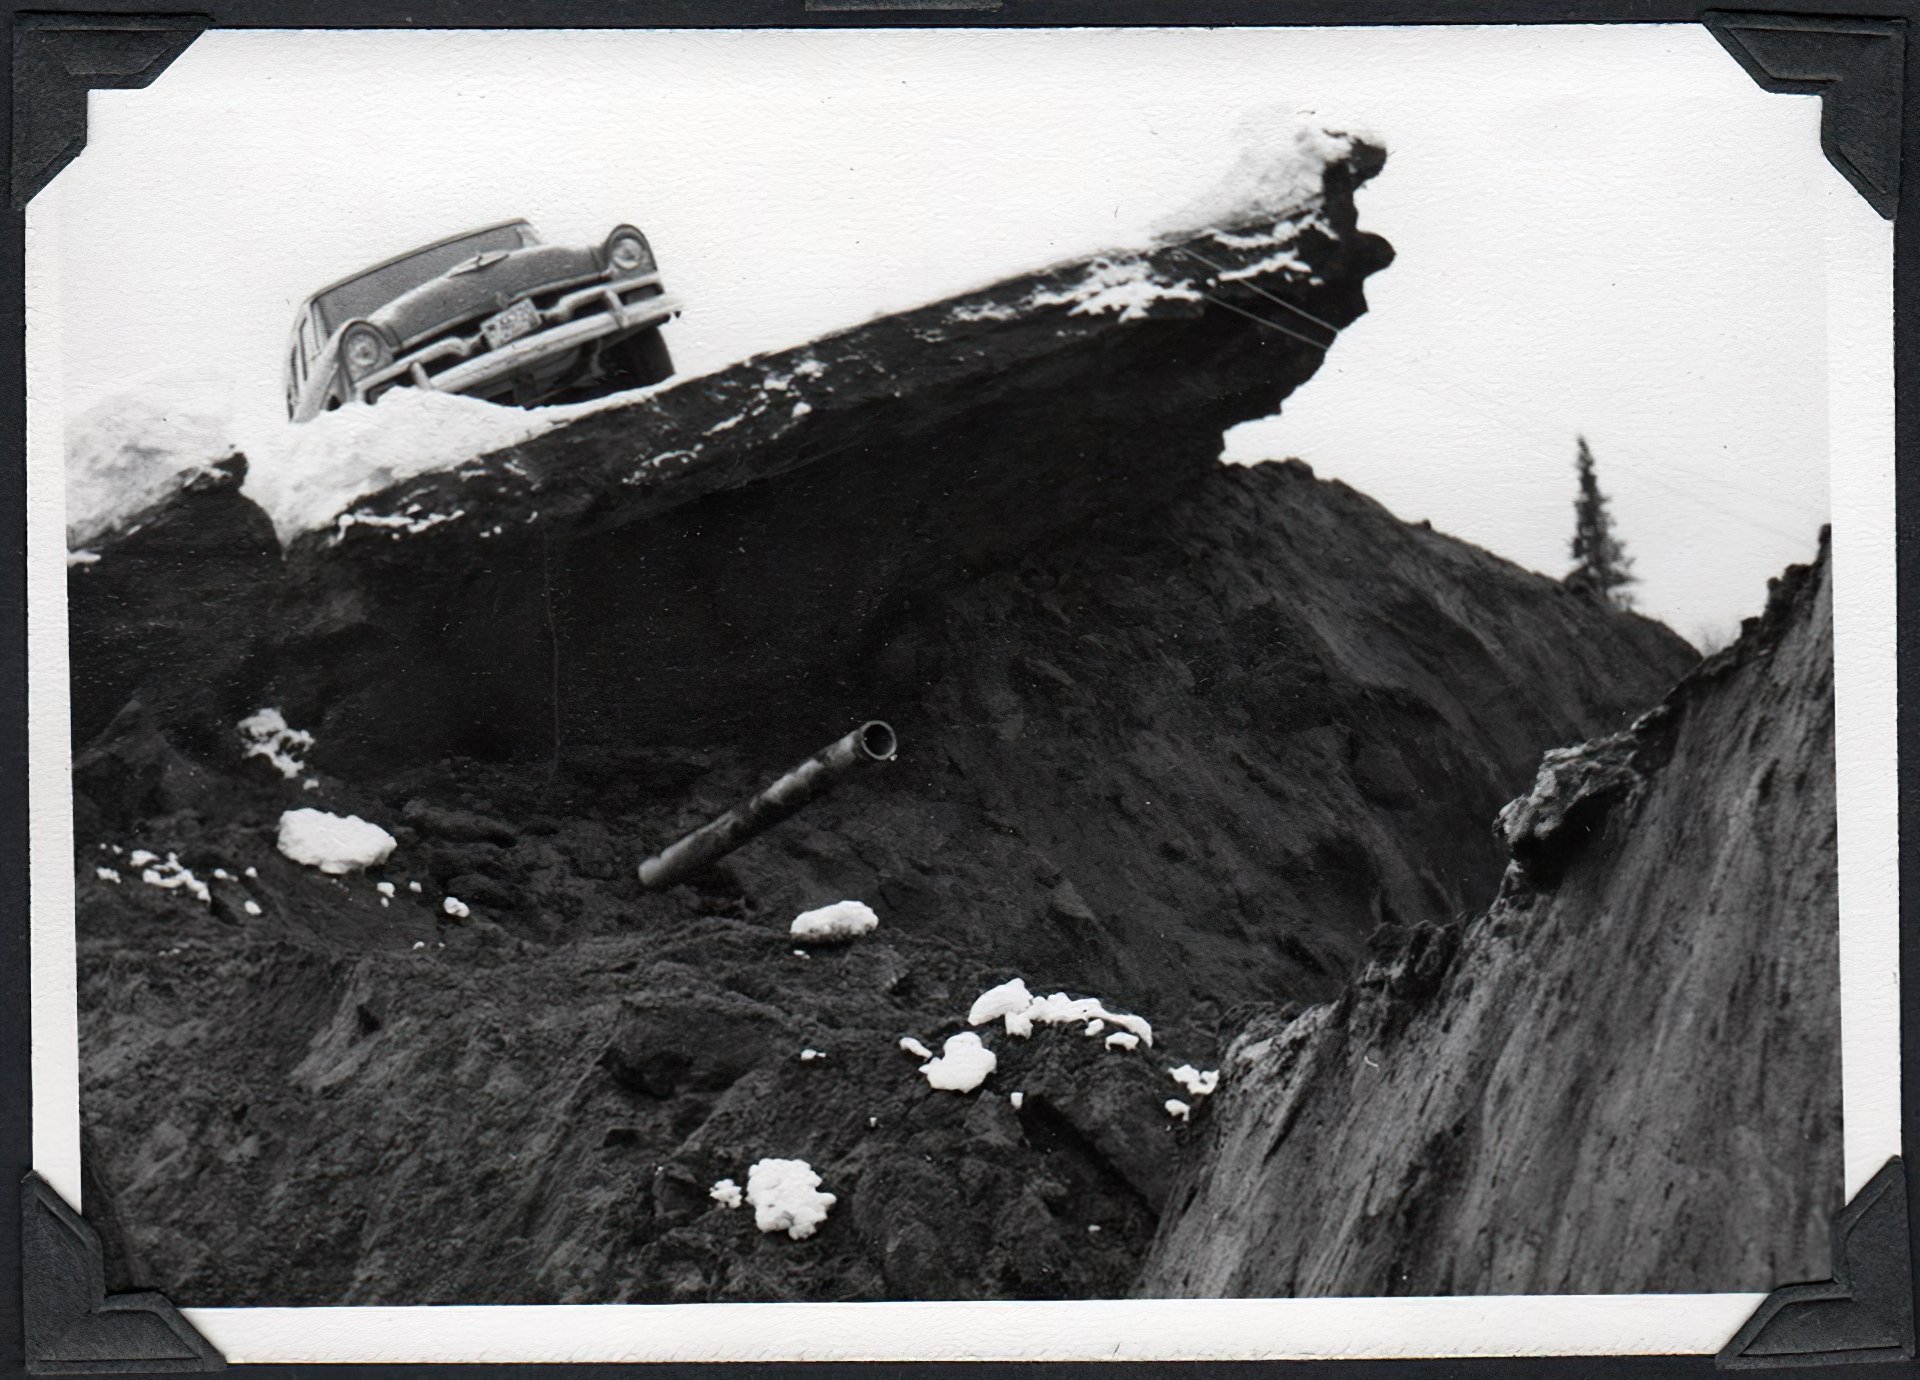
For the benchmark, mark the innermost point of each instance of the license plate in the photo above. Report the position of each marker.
(510, 324)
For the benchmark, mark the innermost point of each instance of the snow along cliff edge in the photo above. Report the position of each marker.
(635, 568)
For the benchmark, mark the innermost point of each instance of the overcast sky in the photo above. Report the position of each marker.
(1600, 230)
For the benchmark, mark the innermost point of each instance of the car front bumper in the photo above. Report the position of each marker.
(614, 318)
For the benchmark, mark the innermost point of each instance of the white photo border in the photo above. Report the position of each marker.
(1860, 394)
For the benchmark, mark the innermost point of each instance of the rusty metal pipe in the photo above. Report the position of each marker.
(873, 741)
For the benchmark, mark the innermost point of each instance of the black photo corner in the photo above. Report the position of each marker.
(59, 1315)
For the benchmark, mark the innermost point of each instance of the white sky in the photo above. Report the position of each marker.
(1608, 230)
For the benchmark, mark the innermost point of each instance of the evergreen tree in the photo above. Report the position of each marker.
(1601, 567)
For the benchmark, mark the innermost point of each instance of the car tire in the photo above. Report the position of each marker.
(642, 360)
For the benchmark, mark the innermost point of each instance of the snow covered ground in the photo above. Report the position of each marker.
(131, 446)
(130, 449)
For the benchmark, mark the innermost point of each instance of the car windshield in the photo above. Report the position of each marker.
(376, 287)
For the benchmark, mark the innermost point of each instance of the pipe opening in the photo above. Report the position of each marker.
(877, 740)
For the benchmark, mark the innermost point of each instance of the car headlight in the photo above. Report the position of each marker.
(365, 351)
(628, 252)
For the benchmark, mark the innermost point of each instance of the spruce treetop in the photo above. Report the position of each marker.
(1601, 567)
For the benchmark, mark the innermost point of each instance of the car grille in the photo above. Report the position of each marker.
(464, 341)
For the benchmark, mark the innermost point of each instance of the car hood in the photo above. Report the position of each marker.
(466, 291)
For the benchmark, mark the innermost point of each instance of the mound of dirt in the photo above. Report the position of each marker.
(1186, 765)
(1623, 1077)
(1174, 736)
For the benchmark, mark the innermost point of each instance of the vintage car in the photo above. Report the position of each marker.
(493, 313)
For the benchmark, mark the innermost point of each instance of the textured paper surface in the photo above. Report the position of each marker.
(1846, 300)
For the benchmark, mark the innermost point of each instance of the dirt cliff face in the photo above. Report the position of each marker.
(1623, 1077)
(652, 570)
(1165, 763)
(1177, 736)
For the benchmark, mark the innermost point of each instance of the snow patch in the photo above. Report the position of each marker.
(307, 475)
(1178, 1110)
(963, 1065)
(133, 448)
(808, 1056)
(984, 311)
(173, 874)
(841, 920)
(1126, 286)
(267, 734)
(786, 1197)
(915, 1048)
(1123, 1039)
(455, 907)
(251, 907)
(1021, 1010)
(1276, 236)
(106, 874)
(1005, 1000)
(1196, 1083)
(726, 1193)
(335, 844)
(1288, 263)
(412, 522)
(1280, 172)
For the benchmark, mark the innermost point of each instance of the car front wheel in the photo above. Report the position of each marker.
(640, 360)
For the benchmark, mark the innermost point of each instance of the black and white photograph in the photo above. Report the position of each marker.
(991, 667)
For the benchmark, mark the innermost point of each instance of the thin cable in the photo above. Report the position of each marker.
(1270, 325)
(1326, 326)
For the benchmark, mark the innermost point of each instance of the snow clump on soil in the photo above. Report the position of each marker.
(269, 735)
(1126, 286)
(172, 874)
(1021, 1010)
(786, 1197)
(1281, 171)
(309, 475)
(963, 1065)
(455, 907)
(841, 920)
(1196, 1083)
(915, 1048)
(726, 1193)
(1177, 1109)
(129, 450)
(1123, 1039)
(335, 844)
